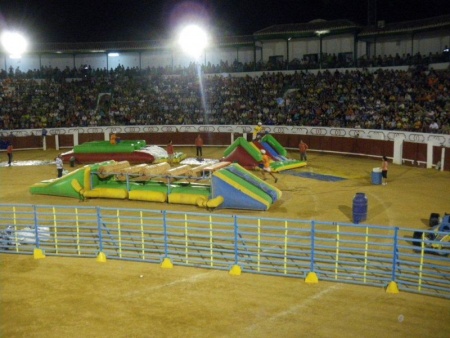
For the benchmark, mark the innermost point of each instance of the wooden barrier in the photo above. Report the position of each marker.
(216, 166)
(150, 171)
(197, 171)
(110, 169)
(122, 174)
(179, 171)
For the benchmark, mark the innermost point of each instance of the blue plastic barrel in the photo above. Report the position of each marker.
(376, 176)
(359, 207)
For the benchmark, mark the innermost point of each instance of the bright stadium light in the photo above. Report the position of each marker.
(322, 32)
(193, 40)
(14, 43)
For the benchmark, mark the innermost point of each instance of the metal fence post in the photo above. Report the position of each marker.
(101, 257)
(236, 269)
(37, 252)
(166, 263)
(311, 278)
(392, 287)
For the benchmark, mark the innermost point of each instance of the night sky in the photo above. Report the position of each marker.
(114, 20)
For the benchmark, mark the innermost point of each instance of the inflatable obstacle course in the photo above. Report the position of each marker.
(248, 154)
(228, 185)
(133, 151)
(247, 190)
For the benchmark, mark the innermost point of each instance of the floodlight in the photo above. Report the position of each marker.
(193, 40)
(322, 32)
(14, 43)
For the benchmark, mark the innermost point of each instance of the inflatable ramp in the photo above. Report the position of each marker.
(245, 190)
(248, 154)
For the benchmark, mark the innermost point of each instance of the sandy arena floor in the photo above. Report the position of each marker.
(70, 297)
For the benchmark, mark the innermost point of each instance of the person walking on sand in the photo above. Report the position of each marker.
(170, 152)
(59, 165)
(266, 166)
(302, 148)
(384, 170)
(9, 151)
(199, 146)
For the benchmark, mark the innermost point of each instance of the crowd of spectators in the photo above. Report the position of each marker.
(416, 99)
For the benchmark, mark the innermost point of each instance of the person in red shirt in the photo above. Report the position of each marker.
(266, 166)
(170, 152)
(302, 148)
(9, 151)
(199, 146)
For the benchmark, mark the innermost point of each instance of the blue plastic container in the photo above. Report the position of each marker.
(359, 207)
(376, 176)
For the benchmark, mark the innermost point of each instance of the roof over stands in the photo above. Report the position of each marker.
(284, 31)
(406, 27)
(106, 46)
(309, 29)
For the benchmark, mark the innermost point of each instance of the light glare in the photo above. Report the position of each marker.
(14, 43)
(193, 40)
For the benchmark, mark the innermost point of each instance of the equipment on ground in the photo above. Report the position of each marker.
(436, 240)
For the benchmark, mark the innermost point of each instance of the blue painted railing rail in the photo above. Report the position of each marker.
(362, 254)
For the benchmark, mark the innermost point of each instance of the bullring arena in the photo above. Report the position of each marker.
(81, 297)
(94, 254)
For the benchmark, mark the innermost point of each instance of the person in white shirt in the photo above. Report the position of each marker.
(434, 127)
(59, 165)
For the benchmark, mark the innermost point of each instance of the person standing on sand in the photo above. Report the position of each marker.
(59, 165)
(9, 151)
(302, 148)
(170, 152)
(199, 146)
(113, 139)
(384, 170)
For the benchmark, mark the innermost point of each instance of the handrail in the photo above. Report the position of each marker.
(372, 255)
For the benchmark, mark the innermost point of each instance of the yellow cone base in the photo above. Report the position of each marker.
(235, 270)
(312, 278)
(38, 254)
(101, 257)
(392, 288)
(167, 263)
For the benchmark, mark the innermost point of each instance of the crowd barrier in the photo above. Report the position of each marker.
(313, 251)
(429, 150)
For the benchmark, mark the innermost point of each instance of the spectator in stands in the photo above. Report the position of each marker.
(385, 99)
(434, 127)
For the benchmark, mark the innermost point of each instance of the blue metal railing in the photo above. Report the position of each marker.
(341, 252)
